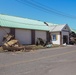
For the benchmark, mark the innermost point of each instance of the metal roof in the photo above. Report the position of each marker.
(73, 30)
(17, 22)
(55, 28)
(25, 23)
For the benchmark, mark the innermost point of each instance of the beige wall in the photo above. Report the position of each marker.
(24, 36)
(40, 34)
(3, 33)
(58, 38)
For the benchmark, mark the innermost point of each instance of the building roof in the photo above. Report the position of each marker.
(25, 23)
(17, 22)
(55, 28)
(73, 30)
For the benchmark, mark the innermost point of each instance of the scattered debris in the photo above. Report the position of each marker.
(64, 44)
(40, 41)
(49, 45)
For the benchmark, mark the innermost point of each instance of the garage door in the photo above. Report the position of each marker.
(40, 34)
(3, 33)
(24, 36)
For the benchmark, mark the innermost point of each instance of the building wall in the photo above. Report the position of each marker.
(3, 32)
(24, 36)
(40, 34)
(65, 33)
(57, 41)
(30, 36)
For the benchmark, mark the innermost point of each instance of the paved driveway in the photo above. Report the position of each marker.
(52, 61)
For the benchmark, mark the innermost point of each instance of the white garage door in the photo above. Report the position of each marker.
(40, 34)
(3, 33)
(24, 36)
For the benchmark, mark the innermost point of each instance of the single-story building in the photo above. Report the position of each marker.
(60, 34)
(27, 30)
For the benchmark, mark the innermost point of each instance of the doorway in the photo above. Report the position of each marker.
(65, 39)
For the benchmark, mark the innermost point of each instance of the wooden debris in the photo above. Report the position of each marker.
(11, 44)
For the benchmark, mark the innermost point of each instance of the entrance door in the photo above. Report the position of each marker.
(65, 39)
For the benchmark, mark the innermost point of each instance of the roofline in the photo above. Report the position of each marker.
(31, 19)
(35, 20)
(21, 17)
(23, 28)
(67, 26)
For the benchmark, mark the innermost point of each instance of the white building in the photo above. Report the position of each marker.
(60, 34)
(27, 30)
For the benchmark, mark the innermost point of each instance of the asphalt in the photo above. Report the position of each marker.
(51, 61)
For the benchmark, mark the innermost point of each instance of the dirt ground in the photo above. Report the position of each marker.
(31, 47)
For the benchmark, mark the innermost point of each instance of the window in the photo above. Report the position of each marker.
(54, 38)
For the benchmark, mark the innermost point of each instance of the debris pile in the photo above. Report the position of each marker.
(42, 42)
(11, 44)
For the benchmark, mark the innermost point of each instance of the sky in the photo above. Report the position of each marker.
(23, 9)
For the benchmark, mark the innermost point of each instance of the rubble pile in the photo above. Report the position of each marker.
(11, 44)
(40, 41)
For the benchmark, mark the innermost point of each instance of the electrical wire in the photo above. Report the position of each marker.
(32, 6)
(42, 7)
(50, 8)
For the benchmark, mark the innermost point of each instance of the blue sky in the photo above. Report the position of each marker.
(15, 8)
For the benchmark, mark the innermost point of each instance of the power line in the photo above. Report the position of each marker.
(43, 8)
(32, 6)
(51, 8)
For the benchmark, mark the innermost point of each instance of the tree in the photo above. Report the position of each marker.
(72, 37)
